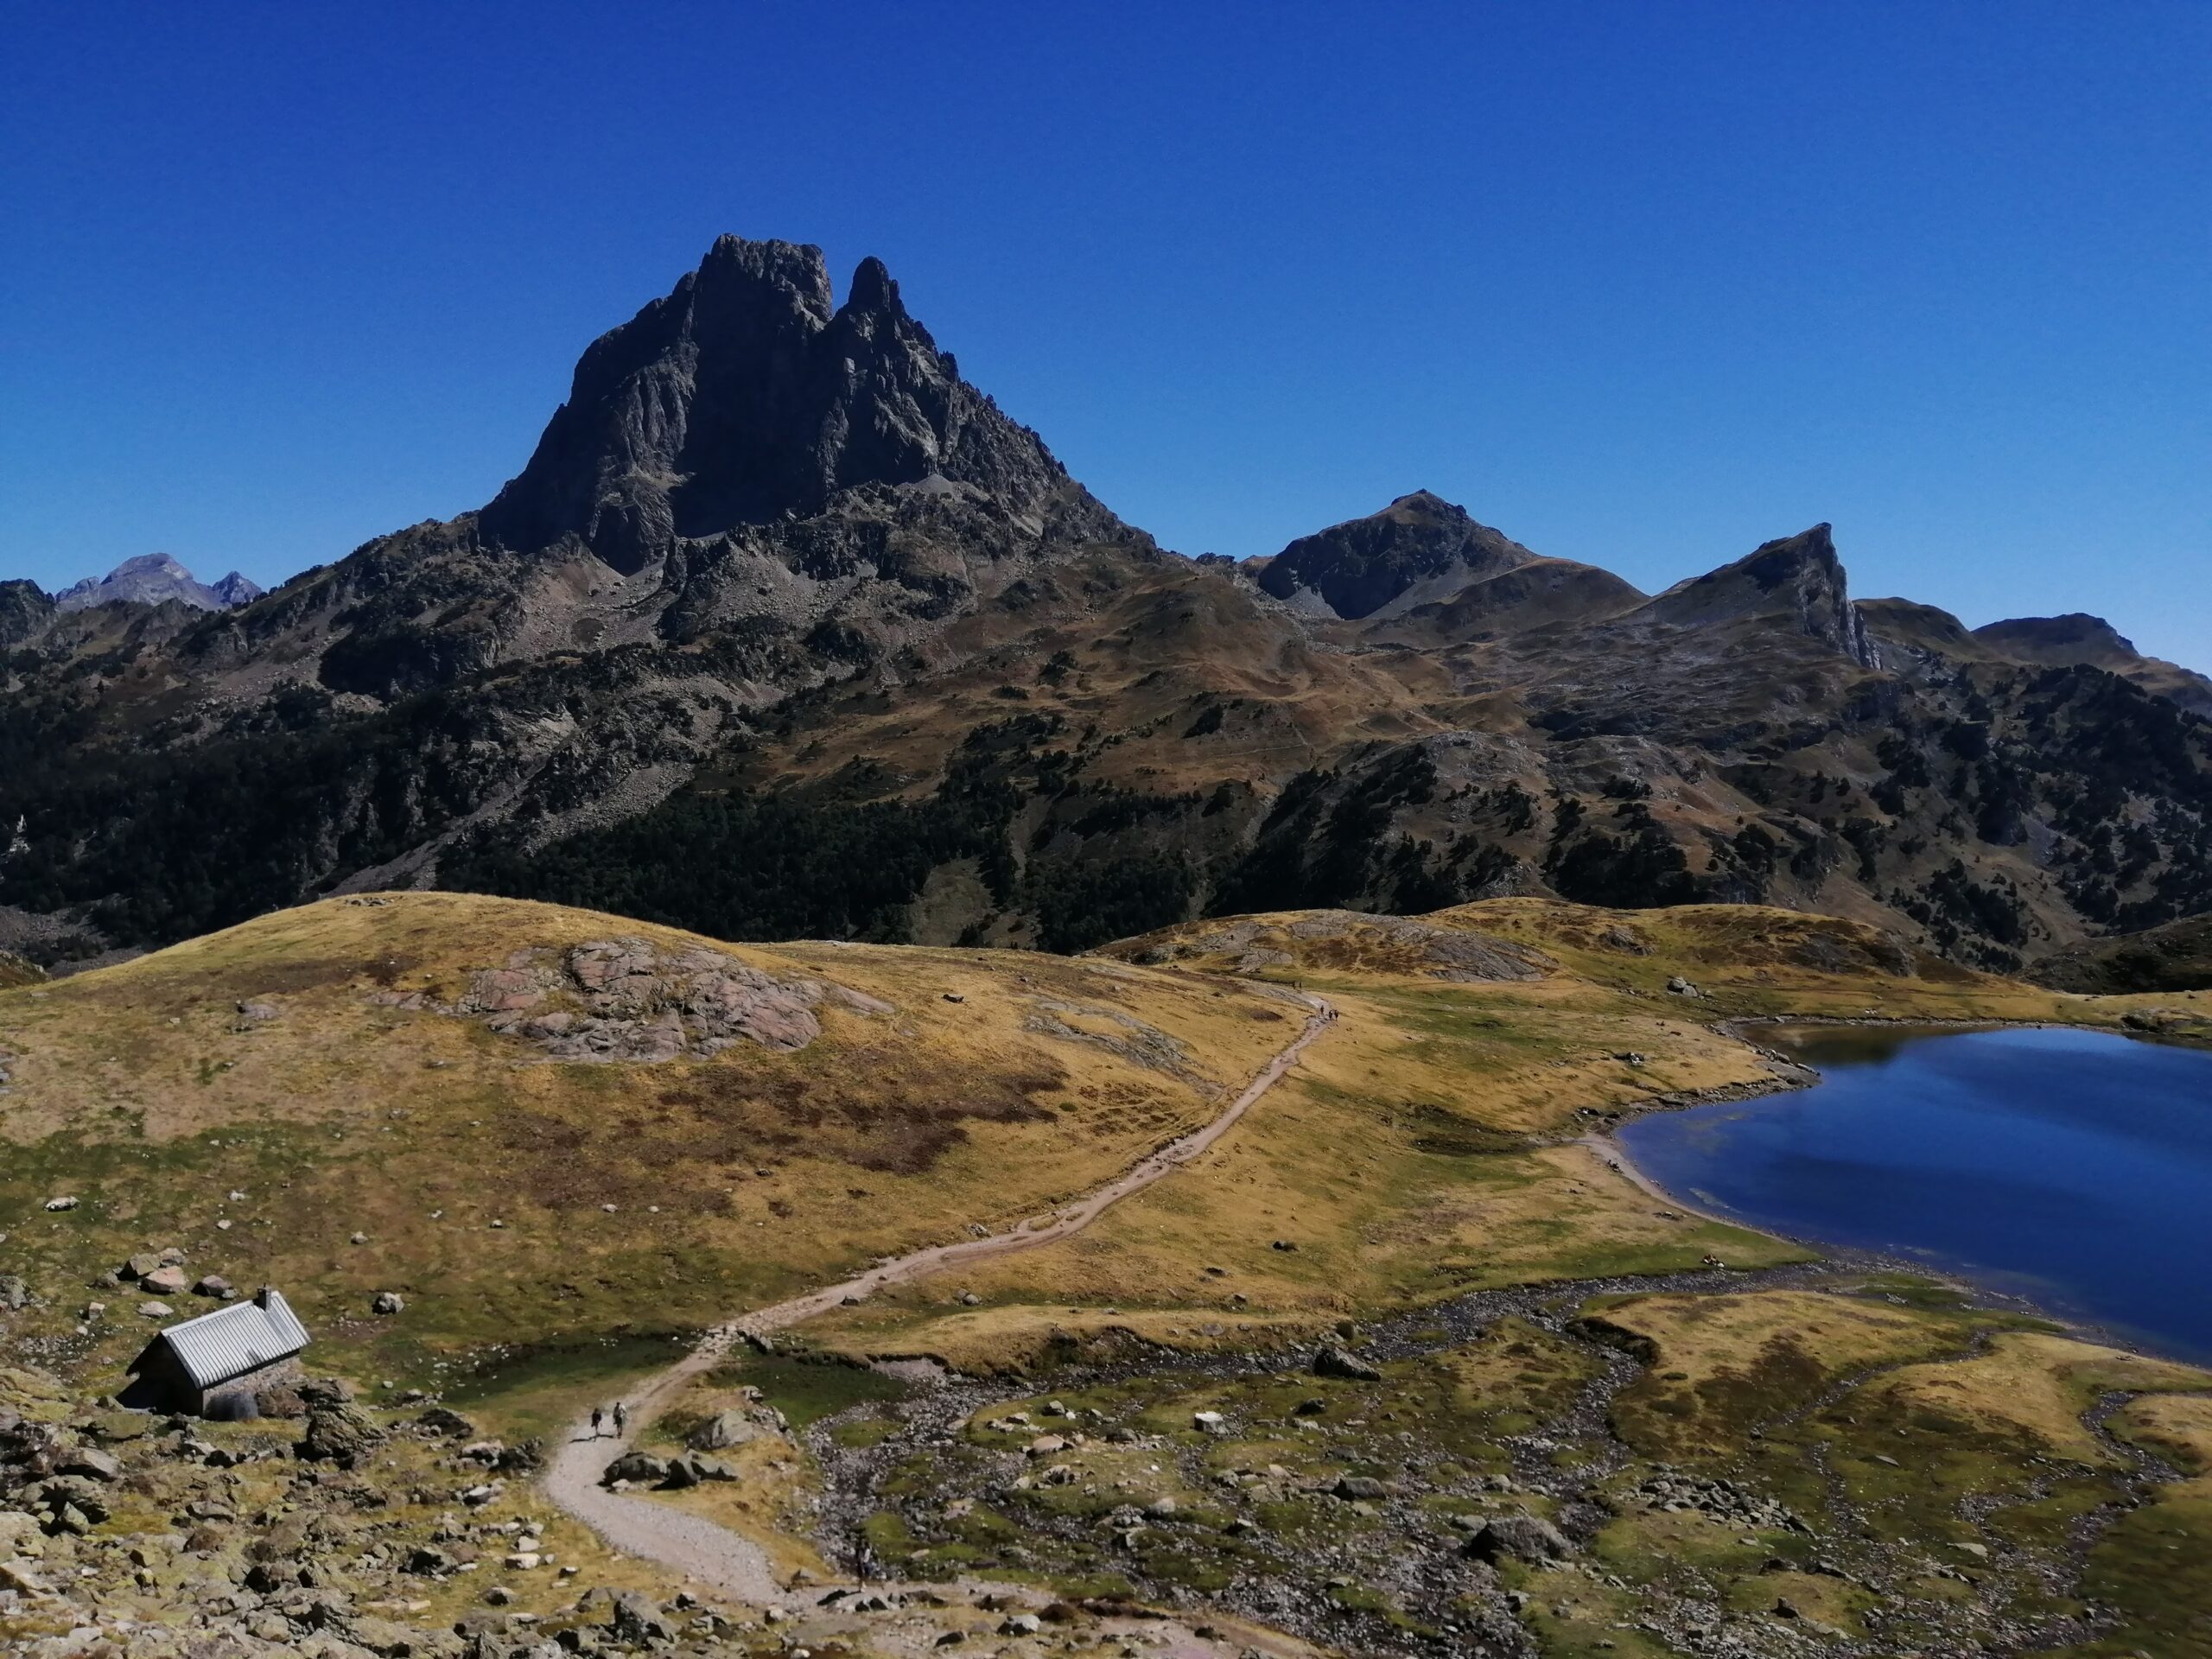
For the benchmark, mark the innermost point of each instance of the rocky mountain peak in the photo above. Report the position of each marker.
(152, 579)
(238, 589)
(746, 396)
(1418, 549)
(873, 289)
(1795, 579)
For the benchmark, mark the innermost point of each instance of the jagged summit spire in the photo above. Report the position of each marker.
(873, 289)
(746, 396)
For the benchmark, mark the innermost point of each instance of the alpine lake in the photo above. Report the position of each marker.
(2072, 1168)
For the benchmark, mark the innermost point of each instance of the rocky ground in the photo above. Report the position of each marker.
(1459, 1480)
(1478, 1478)
(349, 1532)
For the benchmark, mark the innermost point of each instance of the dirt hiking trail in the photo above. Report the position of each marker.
(735, 1565)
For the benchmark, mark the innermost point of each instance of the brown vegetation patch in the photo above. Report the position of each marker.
(682, 1149)
(901, 1125)
(1444, 1133)
(244, 978)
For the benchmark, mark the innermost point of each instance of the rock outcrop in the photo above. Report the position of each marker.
(1519, 1537)
(24, 609)
(630, 1000)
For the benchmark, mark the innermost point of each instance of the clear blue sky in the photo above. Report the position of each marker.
(1640, 284)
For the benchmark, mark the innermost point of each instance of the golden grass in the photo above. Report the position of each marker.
(1707, 1334)
(1749, 961)
(735, 1179)
(2177, 1427)
(1721, 1363)
(2037, 1385)
(1395, 1158)
(1410, 1156)
(1422, 1148)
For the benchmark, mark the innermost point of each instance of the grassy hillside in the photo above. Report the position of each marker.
(258, 1098)
(1429, 1146)
(1741, 960)
(1785, 1453)
(1873, 1453)
(2176, 957)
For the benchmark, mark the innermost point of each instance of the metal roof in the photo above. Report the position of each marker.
(233, 1340)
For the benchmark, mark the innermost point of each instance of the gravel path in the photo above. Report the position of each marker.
(733, 1564)
(689, 1543)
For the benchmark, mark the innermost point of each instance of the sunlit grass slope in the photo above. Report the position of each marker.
(514, 1200)
(1428, 1147)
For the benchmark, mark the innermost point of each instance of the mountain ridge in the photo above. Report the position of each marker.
(784, 625)
(155, 579)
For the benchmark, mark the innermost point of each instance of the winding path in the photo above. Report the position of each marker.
(733, 1564)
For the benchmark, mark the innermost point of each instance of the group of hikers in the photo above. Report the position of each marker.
(620, 1413)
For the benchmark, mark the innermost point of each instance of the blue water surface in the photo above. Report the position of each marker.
(2072, 1167)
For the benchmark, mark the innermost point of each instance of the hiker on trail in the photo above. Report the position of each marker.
(621, 1419)
(595, 1415)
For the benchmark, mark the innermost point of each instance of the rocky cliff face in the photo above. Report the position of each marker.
(744, 398)
(1797, 580)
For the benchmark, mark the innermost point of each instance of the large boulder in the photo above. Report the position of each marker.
(72, 1494)
(722, 1431)
(91, 1463)
(636, 1467)
(337, 1434)
(20, 1534)
(441, 1419)
(1522, 1537)
(1333, 1361)
(636, 1620)
(388, 1639)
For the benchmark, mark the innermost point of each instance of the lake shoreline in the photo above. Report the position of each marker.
(1790, 1076)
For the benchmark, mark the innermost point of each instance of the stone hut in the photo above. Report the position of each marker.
(215, 1365)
